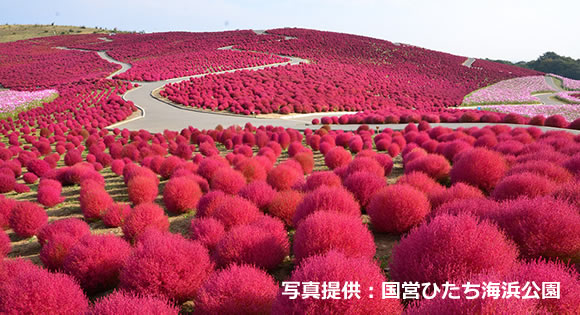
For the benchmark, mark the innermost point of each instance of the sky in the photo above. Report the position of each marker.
(509, 29)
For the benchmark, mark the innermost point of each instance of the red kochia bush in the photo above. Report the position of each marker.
(208, 231)
(26, 218)
(54, 252)
(209, 202)
(166, 265)
(116, 214)
(181, 194)
(120, 302)
(252, 169)
(71, 226)
(235, 210)
(283, 177)
(523, 185)
(142, 189)
(263, 243)
(32, 290)
(333, 199)
(363, 185)
(94, 199)
(144, 216)
(434, 165)
(227, 180)
(397, 208)
(451, 248)
(534, 224)
(238, 289)
(479, 206)
(420, 181)
(365, 164)
(49, 193)
(283, 205)
(552, 171)
(96, 260)
(545, 271)
(323, 231)
(337, 157)
(326, 178)
(6, 205)
(479, 167)
(335, 266)
(5, 246)
(259, 193)
(7, 182)
(455, 192)
(569, 192)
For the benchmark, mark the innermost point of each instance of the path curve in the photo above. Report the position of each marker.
(157, 116)
(468, 62)
(550, 98)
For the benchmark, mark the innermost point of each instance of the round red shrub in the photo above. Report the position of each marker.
(365, 164)
(283, 177)
(523, 185)
(32, 290)
(363, 185)
(549, 170)
(484, 174)
(573, 165)
(420, 181)
(166, 265)
(434, 165)
(283, 205)
(227, 180)
(5, 246)
(96, 260)
(238, 289)
(397, 208)
(337, 157)
(116, 214)
(306, 160)
(49, 193)
(72, 227)
(26, 218)
(6, 206)
(323, 231)
(326, 178)
(53, 253)
(451, 248)
(545, 271)
(120, 302)
(335, 266)
(259, 193)
(262, 244)
(142, 189)
(324, 198)
(208, 231)
(209, 202)
(117, 167)
(142, 217)
(38, 167)
(534, 224)
(181, 194)
(478, 207)
(73, 157)
(252, 170)
(209, 165)
(455, 192)
(569, 192)
(7, 182)
(235, 210)
(169, 165)
(557, 121)
(29, 178)
(94, 199)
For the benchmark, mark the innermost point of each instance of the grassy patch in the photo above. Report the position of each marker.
(12, 33)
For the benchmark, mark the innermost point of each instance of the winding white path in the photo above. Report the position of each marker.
(157, 116)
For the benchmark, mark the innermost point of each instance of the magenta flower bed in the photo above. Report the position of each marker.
(569, 97)
(569, 111)
(568, 84)
(517, 90)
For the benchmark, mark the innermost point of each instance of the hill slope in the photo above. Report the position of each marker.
(12, 33)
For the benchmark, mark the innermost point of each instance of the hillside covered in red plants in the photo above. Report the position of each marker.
(96, 219)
